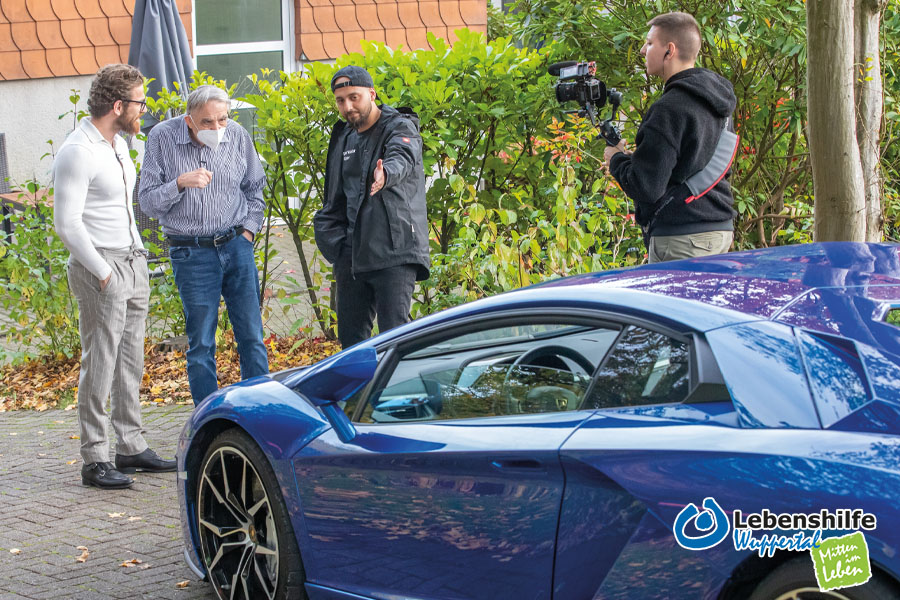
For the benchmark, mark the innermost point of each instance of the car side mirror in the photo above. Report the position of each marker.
(336, 382)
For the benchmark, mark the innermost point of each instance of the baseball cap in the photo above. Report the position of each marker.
(358, 77)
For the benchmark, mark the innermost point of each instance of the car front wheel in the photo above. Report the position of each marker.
(796, 580)
(246, 540)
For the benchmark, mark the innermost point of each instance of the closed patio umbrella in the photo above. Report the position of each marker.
(160, 48)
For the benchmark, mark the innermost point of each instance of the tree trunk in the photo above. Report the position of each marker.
(869, 106)
(840, 203)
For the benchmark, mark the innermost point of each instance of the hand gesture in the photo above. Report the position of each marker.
(198, 178)
(379, 178)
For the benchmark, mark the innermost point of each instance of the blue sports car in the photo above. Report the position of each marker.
(716, 428)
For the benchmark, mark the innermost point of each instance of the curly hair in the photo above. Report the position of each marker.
(112, 83)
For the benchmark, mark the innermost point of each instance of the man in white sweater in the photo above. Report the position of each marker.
(93, 183)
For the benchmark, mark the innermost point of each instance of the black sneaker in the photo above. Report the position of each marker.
(148, 461)
(104, 475)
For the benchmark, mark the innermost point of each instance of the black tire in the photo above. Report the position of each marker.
(247, 544)
(796, 580)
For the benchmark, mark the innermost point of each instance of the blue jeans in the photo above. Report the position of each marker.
(203, 276)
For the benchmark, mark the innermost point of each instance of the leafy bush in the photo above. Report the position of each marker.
(41, 313)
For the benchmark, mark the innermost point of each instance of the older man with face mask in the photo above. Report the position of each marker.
(203, 180)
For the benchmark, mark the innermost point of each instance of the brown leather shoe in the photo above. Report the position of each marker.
(105, 476)
(148, 461)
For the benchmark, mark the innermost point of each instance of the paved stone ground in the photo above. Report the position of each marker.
(46, 513)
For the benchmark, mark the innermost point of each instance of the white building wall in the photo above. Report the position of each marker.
(29, 116)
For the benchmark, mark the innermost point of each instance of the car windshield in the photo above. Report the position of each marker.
(498, 337)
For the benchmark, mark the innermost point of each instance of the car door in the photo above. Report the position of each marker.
(610, 544)
(451, 486)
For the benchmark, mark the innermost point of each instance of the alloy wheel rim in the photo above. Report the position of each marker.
(811, 593)
(238, 537)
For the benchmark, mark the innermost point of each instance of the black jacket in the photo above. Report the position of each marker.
(675, 140)
(391, 226)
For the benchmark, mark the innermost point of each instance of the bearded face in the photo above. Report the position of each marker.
(130, 120)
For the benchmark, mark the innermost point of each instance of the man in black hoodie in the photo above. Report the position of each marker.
(372, 226)
(676, 139)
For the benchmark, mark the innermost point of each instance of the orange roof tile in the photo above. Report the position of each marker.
(84, 60)
(6, 42)
(65, 37)
(334, 43)
(40, 10)
(323, 16)
(311, 47)
(107, 55)
(98, 32)
(60, 62)
(307, 23)
(367, 15)
(74, 34)
(50, 35)
(418, 39)
(120, 29)
(410, 16)
(65, 9)
(114, 8)
(186, 23)
(394, 22)
(430, 13)
(449, 10)
(24, 36)
(11, 65)
(388, 16)
(473, 12)
(352, 41)
(47, 38)
(35, 64)
(345, 16)
(396, 38)
(375, 35)
(16, 11)
(89, 9)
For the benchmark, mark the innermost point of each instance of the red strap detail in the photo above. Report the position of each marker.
(737, 145)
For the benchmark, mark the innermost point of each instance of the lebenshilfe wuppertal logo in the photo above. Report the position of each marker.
(839, 561)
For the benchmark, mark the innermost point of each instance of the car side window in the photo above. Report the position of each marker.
(645, 367)
(495, 371)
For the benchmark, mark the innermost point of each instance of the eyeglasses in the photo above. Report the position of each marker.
(143, 103)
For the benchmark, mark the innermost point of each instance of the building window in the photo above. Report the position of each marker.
(238, 38)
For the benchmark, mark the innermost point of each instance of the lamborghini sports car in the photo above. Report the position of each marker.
(701, 429)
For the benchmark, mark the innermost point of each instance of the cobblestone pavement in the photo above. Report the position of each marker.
(46, 514)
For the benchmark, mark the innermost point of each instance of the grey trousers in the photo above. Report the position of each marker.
(675, 247)
(111, 324)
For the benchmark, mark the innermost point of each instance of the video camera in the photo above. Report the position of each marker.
(577, 82)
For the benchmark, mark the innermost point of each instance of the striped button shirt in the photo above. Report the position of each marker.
(233, 196)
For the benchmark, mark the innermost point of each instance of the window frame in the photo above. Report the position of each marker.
(393, 350)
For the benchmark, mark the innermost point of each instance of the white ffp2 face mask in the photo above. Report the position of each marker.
(211, 137)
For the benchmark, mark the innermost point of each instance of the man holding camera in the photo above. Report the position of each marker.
(677, 139)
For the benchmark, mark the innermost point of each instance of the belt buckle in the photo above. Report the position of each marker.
(221, 240)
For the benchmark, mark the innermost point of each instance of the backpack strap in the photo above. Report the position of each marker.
(709, 176)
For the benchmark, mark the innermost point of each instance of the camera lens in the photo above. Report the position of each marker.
(565, 91)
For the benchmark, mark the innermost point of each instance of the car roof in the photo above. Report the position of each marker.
(842, 288)
(808, 285)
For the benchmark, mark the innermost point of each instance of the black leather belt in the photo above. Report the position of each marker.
(212, 241)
